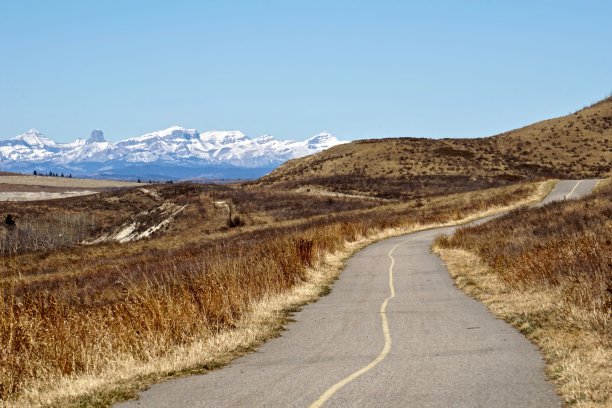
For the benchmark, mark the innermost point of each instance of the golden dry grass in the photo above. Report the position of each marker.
(573, 146)
(144, 311)
(65, 182)
(552, 279)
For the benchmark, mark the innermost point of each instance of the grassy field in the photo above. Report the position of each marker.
(548, 271)
(18, 187)
(574, 146)
(90, 324)
(61, 182)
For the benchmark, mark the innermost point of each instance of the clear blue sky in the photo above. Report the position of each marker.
(293, 68)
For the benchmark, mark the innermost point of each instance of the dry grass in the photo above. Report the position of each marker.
(63, 182)
(574, 146)
(551, 277)
(18, 187)
(34, 235)
(41, 195)
(136, 307)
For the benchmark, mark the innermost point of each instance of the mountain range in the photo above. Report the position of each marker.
(173, 153)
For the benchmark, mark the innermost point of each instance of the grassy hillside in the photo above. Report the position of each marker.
(574, 146)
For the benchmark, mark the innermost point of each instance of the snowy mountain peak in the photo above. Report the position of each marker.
(75, 143)
(34, 138)
(265, 139)
(323, 140)
(173, 132)
(97, 136)
(223, 137)
(178, 132)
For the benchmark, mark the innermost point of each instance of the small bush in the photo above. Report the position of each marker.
(235, 221)
(9, 221)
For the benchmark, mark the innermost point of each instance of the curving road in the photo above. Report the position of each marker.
(394, 332)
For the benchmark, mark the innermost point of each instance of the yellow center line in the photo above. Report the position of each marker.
(573, 189)
(386, 348)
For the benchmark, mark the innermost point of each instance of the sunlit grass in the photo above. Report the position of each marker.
(548, 271)
(140, 306)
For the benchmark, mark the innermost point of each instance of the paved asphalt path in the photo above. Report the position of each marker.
(425, 345)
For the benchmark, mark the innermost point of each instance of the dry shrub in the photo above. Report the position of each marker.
(28, 234)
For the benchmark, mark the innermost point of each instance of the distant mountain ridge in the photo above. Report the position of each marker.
(175, 152)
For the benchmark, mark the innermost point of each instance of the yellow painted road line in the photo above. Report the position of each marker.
(386, 348)
(573, 189)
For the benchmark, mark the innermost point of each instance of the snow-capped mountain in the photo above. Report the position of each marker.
(168, 151)
(34, 138)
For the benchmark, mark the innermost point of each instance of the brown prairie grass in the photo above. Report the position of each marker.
(573, 146)
(62, 182)
(551, 277)
(68, 341)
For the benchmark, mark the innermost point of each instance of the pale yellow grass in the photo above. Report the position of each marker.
(578, 362)
(321, 191)
(125, 375)
(63, 182)
(41, 195)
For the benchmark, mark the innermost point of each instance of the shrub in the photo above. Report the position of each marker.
(9, 221)
(235, 221)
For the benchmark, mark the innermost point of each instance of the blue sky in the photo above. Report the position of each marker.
(359, 69)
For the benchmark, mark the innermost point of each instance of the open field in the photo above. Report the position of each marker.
(574, 146)
(73, 316)
(18, 187)
(60, 182)
(41, 195)
(551, 277)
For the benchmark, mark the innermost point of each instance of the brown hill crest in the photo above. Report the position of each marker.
(578, 145)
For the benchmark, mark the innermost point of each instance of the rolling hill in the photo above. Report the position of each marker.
(573, 146)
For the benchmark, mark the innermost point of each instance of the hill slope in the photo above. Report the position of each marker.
(574, 146)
